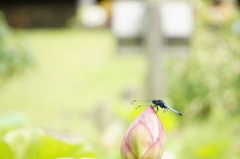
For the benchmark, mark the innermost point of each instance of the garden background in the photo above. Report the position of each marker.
(67, 92)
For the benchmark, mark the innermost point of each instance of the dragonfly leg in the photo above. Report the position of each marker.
(156, 107)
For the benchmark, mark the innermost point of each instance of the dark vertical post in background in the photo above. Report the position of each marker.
(155, 49)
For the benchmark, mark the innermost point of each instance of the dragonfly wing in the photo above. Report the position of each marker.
(140, 103)
(165, 110)
(167, 107)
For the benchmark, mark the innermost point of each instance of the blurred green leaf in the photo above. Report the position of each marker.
(5, 151)
(19, 140)
(29, 143)
(50, 148)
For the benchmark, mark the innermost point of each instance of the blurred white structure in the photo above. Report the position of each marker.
(164, 26)
(127, 18)
(176, 19)
(130, 20)
(90, 14)
(94, 16)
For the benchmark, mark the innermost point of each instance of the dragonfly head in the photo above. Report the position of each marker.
(154, 102)
(158, 102)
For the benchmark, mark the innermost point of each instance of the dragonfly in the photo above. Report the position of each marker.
(156, 103)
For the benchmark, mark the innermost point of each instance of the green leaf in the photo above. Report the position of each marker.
(5, 151)
(19, 141)
(46, 147)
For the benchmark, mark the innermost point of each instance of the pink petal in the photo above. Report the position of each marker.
(141, 117)
(162, 133)
(153, 122)
(155, 151)
(126, 152)
(139, 139)
(133, 124)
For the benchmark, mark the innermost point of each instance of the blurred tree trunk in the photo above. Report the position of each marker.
(155, 46)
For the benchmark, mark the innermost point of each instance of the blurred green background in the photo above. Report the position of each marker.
(66, 92)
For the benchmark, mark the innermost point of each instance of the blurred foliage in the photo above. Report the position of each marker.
(25, 142)
(14, 56)
(210, 77)
(214, 138)
(205, 86)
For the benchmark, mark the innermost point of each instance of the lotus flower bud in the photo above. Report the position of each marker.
(145, 138)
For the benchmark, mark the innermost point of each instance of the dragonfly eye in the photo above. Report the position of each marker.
(153, 101)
